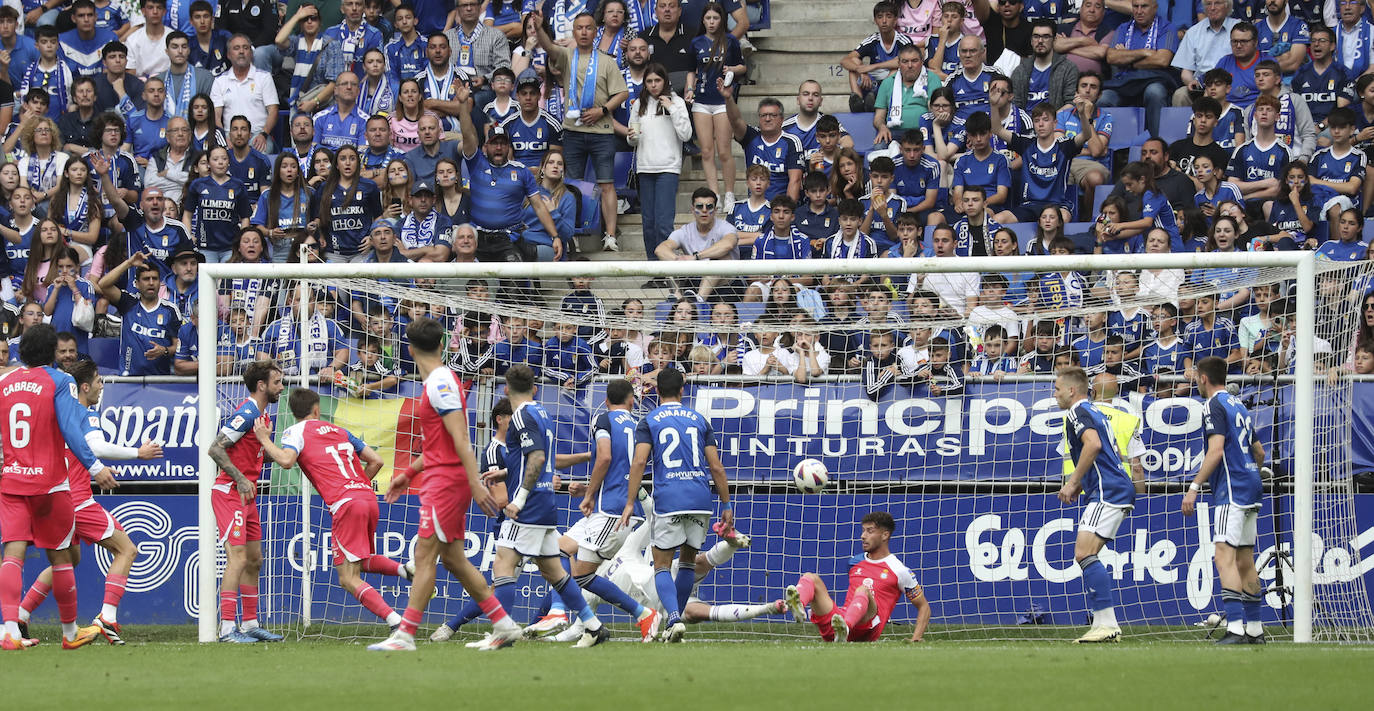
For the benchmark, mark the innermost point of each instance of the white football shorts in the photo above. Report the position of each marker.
(1235, 526)
(673, 530)
(1102, 519)
(529, 541)
(599, 537)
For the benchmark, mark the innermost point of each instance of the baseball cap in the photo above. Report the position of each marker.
(422, 187)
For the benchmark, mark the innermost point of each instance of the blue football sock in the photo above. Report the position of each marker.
(1233, 602)
(667, 594)
(504, 589)
(469, 613)
(1098, 581)
(686, 579)
(607, 590)
(1251, 605)
(571, 595)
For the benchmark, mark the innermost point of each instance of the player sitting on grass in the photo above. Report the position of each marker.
(236, 513)
(876, 580)
(598, 536)
(1100, 475)
(632, 570)
(684, 449)
(450, 485)
(329, 456)
(1236, 457)
(93, 523)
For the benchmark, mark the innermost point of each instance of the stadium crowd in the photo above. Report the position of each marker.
(146, 138)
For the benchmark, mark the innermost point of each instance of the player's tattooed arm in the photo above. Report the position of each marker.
(220, 456)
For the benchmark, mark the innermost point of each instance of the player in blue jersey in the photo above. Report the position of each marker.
(532, 130)
(216, 207)
(683, 446)
(767, 145)
(1045, 160)
(148, 332)
(1233, 464)
(598, 536)
(1100, 475)
(981, 167)
(1338, 171)
(530, 529)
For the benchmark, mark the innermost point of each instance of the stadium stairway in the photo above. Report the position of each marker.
(805, 41)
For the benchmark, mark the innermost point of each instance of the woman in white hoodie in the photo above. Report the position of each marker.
(659, 123)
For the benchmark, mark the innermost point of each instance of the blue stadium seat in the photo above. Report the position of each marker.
(1099, 195)
(765, 16)
(860, 128)
(749, 312)
(1133, 154)
(1173, 123)
(1368, 233)
(105, 353)
(1025, 233)
(1126, 125)
(590, 223)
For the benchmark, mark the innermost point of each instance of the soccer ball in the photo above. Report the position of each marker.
(810, 476)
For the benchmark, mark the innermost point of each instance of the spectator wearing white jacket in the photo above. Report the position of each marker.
(659, 123)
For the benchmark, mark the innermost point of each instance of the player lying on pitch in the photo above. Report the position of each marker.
(632, 570)
(94, 524)
(329, 456)
(876, 580)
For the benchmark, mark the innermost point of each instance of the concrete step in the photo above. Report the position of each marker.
(852, 28)
(783, 86)
(790, 11)
(823, 67)
(839, 46)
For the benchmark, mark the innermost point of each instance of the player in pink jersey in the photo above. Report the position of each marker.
(236, 513)
(94, 524)
(449, 485)
(39, 418)
(331, 457)
(876, 581)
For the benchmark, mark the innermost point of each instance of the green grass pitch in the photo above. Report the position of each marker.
(162, 668)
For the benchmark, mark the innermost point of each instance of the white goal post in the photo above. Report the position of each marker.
(1300, 267)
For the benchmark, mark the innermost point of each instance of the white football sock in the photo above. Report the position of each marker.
(12, 630)
(403, 635)
(225, 627)
(720, 553)
(109, 613)
(393, 619)
(734, 613)
(24, 615)
(1235, 626)
(505, 624)
(592, 624)
(250, 624)
(69, 631)
(1105, 617)
(1254, 628)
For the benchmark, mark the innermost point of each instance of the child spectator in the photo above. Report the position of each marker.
(1230, 127)
(585, 308)
(940, 375)
(368, 377)
(568, 359)
(915, 354)
(849, 243)
(1164, 356)
(1259, 333)
(703, 361)
(749, 216)
(995, 360)
(882, 205)
(237, 346)
(813, 361)
(843, 341)
(1128, 378)
(1090, 346)
(469, 351)
(908, 246)
(816, 217)
(503, 106)
(828, 134)
(1210, 335)
(916, 177)
(613, 352)
(1059, 290)
(973, 232)
(981, 167)
(770, 355)
(880, 366)
(70, 303)
(1347, 246)
(1133, 322)
(1364, 358)
(1064, 358)
(1294, 212)
(1040, 359)
(517, 348)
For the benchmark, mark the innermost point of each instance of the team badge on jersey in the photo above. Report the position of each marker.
(513, 176)
(231, 193)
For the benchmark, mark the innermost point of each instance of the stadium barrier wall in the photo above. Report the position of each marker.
(976, 567)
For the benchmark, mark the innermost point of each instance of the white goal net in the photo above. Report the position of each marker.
(926, 393)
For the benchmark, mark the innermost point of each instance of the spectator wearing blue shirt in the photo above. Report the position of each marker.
(341, 124)
(815, 216)
(970, 84)
(768, 146)
(23, 51)
(562, 207)
(1323, 83)
(1140, 52)
(780, 240)
(1257, 164)
(1347, 247)
(882, 205)
(916, 176)
(81, 46)
(347, 204)
(215, 207)
(148, 128)
(532, 130)
(944, 132)
(568, 361)
(981, 167)
(716, 54)
(1283, 36)
(1241, 64)
(328, 348)
(209, 46)
(423, 158)
(1155, 211)
(147, 338)
(1212, 189)
(283, 209)
(1044, 160)
(1093, 165)
(405, 53)
(246, 163)
(1210, 335)
(499, 190)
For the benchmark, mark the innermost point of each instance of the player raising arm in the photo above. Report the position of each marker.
(37, 403)
(684, 449)
(598, 536)
(1236, 457)
(1099, 474)
(236, 513)
(450, 485)
(93, 523)
(329, 456)
(876, 580)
